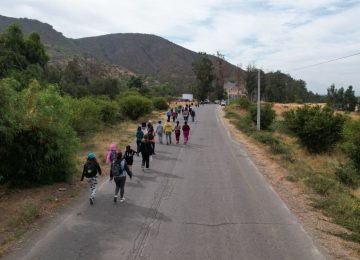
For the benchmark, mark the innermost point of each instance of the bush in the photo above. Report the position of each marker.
(351, 145)
(86, 114)
(135, 106)
(109, 111)
(347, 175)
(267, 115)
(242, 103)
(317, 129)
(160, 103)
(243, 123)
(43, 149)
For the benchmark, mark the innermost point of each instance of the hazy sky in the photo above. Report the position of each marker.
(272, 34)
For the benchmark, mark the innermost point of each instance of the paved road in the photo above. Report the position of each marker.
(205, 200)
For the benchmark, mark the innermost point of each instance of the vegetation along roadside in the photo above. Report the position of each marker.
(325, 162)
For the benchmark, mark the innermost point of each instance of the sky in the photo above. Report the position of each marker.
(270, 34)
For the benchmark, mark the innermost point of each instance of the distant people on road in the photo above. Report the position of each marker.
(177, 130)
(186, 132)
(192, 115)
(169, 114)
(145, 149)
(186, 114)
(90, 171)
(174, 116)
(118, 172)
(168, 128)
(159, 131)
(129, 156)
(139, 136)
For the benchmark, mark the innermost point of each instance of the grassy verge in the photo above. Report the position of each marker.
(335, 190)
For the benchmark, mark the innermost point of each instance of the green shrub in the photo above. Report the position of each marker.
(243, 103)
(135, 106)
(317, 129)
(351, 145)
(160, 103)
(86, 114)
(267, 115)
(322, 185)
(243, 123)
(109, 110)
(43, 149)
(348, 176)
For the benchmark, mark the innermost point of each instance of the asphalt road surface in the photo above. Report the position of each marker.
(203, 200)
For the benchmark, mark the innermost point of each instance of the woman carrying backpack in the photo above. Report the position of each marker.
(90, 171)
(118, 172)
(111, 155)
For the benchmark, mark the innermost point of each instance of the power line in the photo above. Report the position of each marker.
(324, 62)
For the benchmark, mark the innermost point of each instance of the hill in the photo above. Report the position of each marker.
(144, 54)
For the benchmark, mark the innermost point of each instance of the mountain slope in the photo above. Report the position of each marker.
(144, 54)
(58, 45)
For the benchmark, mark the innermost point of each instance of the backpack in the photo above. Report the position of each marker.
(117, 168)
(90, 169)
(150, 135)
(113, 155)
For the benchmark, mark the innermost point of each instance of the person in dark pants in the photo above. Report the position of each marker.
(145, 149)
(129, 156)
(119, 168)
(90, 171)
(139, 137)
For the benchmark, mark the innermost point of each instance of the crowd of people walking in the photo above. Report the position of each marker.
(121, 163)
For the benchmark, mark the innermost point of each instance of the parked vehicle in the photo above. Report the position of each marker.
(223, 103)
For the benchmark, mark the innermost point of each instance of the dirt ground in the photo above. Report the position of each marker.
(297, 198)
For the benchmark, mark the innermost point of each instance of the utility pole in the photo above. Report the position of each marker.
(258, 104)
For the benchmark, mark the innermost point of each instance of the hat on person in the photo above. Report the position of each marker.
(91, 155)
(112, 147)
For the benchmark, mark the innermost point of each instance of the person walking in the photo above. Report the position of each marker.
(151, 136)
(139, 136)
(186, 132)
(186, 114)
(192, 115)
(129, 156)
(168, 114)
(119, 168)
(145, 149)
(174, 115)
(177, 130)
(168, 128)
(90, 171)
(111, 155)
(159, 131)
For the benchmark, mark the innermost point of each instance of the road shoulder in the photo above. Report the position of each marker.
(295, 196)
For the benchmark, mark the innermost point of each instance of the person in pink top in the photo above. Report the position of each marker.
(111, 155)
(186, 132)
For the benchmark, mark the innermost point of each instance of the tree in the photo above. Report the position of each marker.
(204, 72)
(350, 99)
(19, 54)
